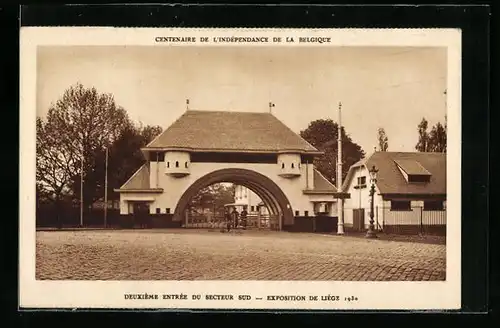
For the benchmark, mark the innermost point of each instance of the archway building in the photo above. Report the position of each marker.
(254, 150)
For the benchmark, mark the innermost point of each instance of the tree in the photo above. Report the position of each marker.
(437, 138)
(322, 134)
(81, 123)
(125, 157)
(54, 165)
(213, 197)
(383, 141)
(423, 137)
(433, 141)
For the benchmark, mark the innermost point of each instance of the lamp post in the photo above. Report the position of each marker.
(373, 178)
(106, 191)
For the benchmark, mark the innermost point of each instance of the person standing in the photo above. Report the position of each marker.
(243, 217)
(234, 217)
(227, 217)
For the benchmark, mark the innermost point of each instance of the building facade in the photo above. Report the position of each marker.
(245, 198)
(254, 150)
(410, 193)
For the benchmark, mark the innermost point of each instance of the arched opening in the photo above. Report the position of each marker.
(269, 192)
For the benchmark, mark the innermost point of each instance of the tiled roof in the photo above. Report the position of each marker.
(230, 131)
(321, 183)
(390, 180)
(411, 167)
(139, 181)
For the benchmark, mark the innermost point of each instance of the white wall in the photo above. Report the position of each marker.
(388, 217)
(286, 161)
(360, 198)
(126, 198)
(174, 187)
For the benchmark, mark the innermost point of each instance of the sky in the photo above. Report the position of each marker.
(389, 87)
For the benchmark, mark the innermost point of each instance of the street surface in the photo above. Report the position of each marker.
(249, 255)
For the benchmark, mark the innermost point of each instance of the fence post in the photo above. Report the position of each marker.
(421, 221)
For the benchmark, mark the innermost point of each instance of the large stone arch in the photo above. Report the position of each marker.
(270, 193)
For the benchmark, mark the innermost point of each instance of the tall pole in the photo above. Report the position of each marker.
(271, 105)
(81, 188)
(106, 192)
(340, 209)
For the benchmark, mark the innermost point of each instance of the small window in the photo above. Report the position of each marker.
(306, 213)
(361, 181)
(167, 210)
(419, 178)
(158, 210)
(400, 205)
(282, 165)
(293, 165)
(252, 208)
(176, 163)
(168, 164)
(186, 165)
(433, 205)
(297, 213)
(299, 166)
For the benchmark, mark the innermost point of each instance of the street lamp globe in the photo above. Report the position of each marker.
(373, 174)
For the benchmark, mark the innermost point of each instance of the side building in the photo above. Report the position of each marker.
(410, 193)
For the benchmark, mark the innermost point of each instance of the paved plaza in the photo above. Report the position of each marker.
(212, 255)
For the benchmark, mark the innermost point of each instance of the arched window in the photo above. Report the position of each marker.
(282, 165)
(176, 163)
(292, 166)
(299, 166)
(168, 164)
(186, 165)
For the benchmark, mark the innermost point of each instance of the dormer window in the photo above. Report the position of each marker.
(419, 178)
(413, 171)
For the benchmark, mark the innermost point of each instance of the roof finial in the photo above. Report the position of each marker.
(271, 105)
(187, 104)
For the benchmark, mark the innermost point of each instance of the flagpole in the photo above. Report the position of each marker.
(106, 192)
(81, 188)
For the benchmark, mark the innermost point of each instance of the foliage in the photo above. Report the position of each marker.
(84, 122)
(437, 138)
(322, 134)
(433, 141)
(423, 136)
(213, 197)
(383, 140)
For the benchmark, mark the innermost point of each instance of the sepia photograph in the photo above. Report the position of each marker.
(242, 160)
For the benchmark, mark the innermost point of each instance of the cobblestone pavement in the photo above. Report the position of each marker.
(204, 255)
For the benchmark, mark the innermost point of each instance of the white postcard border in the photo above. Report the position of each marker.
(110, 294)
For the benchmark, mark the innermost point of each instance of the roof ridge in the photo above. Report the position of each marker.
(225, 111)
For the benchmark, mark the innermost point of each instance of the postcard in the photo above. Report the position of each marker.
(259, 169)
